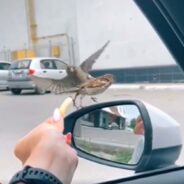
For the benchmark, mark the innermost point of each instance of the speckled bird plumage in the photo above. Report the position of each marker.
(93, 87)
(76, 79)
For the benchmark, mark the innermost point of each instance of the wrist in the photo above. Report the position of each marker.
(30, 175)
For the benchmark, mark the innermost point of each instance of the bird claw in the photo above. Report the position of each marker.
(94, 99)
(77, 106)
(74, 103)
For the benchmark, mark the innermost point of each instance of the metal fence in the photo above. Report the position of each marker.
(54, 50)
(5, 54)
(46, 48)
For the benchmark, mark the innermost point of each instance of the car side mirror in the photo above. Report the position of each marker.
(129, 134)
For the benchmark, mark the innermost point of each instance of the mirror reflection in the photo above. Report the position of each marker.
(114, 133)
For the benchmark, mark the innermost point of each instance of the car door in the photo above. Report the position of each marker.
(52, 68)
(61, 68)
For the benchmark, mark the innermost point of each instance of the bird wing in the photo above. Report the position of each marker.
(64, 85)
(88, 63)
(42, 83)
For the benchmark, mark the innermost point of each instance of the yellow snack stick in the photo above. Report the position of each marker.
(65, 106)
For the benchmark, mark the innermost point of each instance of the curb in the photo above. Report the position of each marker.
(179, 86)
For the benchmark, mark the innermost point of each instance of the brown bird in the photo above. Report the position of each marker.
(93, 87)
(76, 75)
(78, 80)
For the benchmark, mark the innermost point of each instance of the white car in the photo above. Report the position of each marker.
(4, 67)
(21, 70)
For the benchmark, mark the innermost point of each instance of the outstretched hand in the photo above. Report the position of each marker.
(47, 148)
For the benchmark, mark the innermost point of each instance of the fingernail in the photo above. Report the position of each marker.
(68, 138)
(57, 115)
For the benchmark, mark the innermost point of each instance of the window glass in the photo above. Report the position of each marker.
(23, 64)
(47, 64)
(141, 64)
(4, 66)
(59, 64)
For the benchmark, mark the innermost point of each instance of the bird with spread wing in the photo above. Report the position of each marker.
(78, 79)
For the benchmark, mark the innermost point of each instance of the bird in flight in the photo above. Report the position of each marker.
(78, 79)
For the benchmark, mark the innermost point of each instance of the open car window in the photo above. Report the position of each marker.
(141, 63)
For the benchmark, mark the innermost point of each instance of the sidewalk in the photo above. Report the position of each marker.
(160, 86)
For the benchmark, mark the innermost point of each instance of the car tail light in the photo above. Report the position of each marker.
(31, 72)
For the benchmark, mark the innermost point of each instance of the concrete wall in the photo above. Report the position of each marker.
(133, 41)
(58, 17)
(13, 31)
(89, 24)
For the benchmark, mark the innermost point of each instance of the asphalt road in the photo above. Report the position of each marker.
(21, 113)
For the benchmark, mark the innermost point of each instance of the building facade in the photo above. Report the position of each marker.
(74, 29)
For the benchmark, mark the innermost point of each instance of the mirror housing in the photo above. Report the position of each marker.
(162, 144)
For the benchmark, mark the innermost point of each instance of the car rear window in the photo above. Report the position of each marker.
(23, 64)
(4, 66)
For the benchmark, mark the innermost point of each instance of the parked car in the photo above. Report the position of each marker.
(4, 67)
(20, 71)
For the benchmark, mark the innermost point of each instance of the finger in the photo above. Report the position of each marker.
(57, 115)
(57, 120)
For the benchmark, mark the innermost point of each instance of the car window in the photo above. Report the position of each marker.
(59, 64)
(47, 64)
(23, 64)
(4, 66)
(142, 66)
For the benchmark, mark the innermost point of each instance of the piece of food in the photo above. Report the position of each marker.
(65, 106)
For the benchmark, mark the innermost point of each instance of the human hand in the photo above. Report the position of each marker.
(45, 147)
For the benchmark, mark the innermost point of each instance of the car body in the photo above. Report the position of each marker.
(4, 67)
(21, 70)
